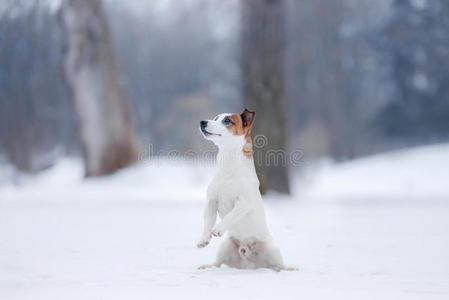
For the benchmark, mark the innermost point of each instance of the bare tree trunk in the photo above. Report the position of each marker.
(263, 50)
(104, 119)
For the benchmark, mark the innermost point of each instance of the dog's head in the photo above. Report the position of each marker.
(229, 129)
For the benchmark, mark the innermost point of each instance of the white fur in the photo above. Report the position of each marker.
(234, 195)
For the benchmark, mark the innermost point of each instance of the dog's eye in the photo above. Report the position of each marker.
(227, 121)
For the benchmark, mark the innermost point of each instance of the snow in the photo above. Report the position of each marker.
(417, 174)
(373, 228)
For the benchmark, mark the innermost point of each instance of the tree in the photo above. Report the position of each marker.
(91, 70)
(35, 115)
(262, 67)
(416, 38)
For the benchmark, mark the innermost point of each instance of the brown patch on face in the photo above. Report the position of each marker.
(236, 125)
(241, 125)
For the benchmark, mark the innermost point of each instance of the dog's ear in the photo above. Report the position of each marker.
(247, 117)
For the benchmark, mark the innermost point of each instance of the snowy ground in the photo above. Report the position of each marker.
(374, 228)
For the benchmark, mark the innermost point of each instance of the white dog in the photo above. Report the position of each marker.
(234, 195)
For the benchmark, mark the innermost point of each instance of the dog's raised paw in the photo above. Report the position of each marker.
(202, 244)
(217, 232)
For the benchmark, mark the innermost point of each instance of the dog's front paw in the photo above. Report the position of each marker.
(217, 231)
(202, 244)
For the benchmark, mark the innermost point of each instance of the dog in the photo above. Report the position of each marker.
(234, 195)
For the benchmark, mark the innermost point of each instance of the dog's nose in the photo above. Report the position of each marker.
(243, 251)
(203, 124)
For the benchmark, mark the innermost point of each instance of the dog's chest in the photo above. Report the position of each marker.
(225, 205)
(226, 197)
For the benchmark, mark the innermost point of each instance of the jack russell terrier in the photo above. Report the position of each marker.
(234, 195)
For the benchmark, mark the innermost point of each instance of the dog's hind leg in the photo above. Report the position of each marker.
(290, 269)
(270, 257)
(274, 258)
(227, 254)
(203, 267)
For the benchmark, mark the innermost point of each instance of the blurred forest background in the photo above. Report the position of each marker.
(352, 77)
